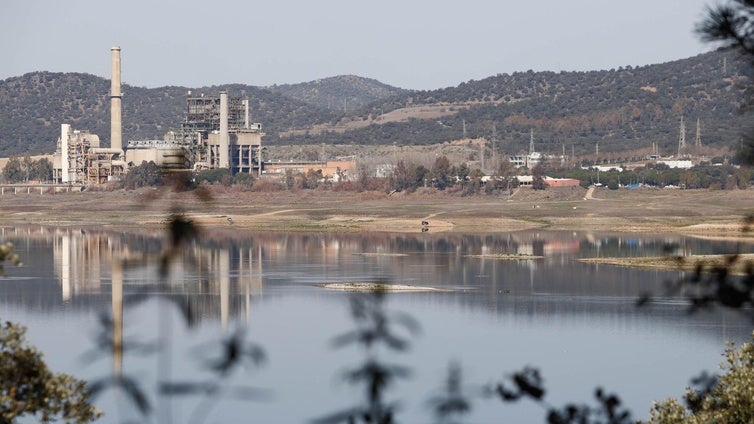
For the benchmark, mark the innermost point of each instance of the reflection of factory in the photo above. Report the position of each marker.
(216, 133)
(83, 260)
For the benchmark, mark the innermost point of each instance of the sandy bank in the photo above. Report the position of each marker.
(381, 287)
(686, 263)
(698, 212)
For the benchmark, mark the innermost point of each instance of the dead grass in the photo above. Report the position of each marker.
(698, 212)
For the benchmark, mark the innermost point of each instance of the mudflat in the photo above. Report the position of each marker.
(713, 213)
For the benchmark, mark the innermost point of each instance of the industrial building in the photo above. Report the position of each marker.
(331, 169)
(219, 134)
(216, 133)
(79, 158)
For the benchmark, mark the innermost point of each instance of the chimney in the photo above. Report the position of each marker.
(224, 136)
(115, 100)
(246, 114)
(65, 137)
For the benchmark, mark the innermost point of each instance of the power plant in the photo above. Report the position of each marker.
(216, 133)
(219, 134)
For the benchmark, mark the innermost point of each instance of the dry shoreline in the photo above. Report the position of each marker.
(685, 263)
(701, 213)
(381, 287)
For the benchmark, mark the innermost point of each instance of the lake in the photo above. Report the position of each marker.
(577, 323)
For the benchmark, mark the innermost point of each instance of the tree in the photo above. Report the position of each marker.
(399, 178)
(289, 179)
(743, 176)
(612, 183)
(440, 173)
(538, 178)
(732, 25)
(21, 170)
(243, 179)
(41, 170)
(731, 400)
(475, 182)
(14, 171)
(309, 180)
(212, 176)
(145, 175)
(363, 177)
(28, 387)
(26, 163)
(461, 172)
(689, 179)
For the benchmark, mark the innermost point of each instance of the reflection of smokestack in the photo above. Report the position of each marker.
(115, 99)
(65, 264)
(223, 257)
(117, 303)
(224, 137)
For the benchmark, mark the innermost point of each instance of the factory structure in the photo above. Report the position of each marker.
(216, 133)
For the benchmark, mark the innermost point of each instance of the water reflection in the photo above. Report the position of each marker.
(225, 264)
(519, 310)
(223, 271)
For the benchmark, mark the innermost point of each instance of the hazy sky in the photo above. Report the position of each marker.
(416, 44)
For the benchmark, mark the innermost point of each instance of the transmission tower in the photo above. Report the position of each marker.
(481, 154)
(494, 141)
(698, 141)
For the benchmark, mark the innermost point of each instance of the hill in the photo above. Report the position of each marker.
(33, 106)
(345, 92)
(619, 109)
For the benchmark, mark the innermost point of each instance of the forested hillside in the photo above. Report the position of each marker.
(620, 109)
(33, 106)
(343, 93)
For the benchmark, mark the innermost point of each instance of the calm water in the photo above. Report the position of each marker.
(576, 322)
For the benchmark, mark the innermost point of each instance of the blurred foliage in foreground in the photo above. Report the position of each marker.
(728, 399)
(28, 387)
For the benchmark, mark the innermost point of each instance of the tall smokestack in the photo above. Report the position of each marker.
(224, 136)
(115, 99)
(65, 137)
(246, 114)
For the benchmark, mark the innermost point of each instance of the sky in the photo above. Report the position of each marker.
(412, 44)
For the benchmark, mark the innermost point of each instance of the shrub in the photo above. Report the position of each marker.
(28, 387)
(144, 175)
(212, 176)
(731, 400)
(243, 179)
(263, 185)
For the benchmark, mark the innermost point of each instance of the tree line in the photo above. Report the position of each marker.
(455, 178)
(24, 170)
